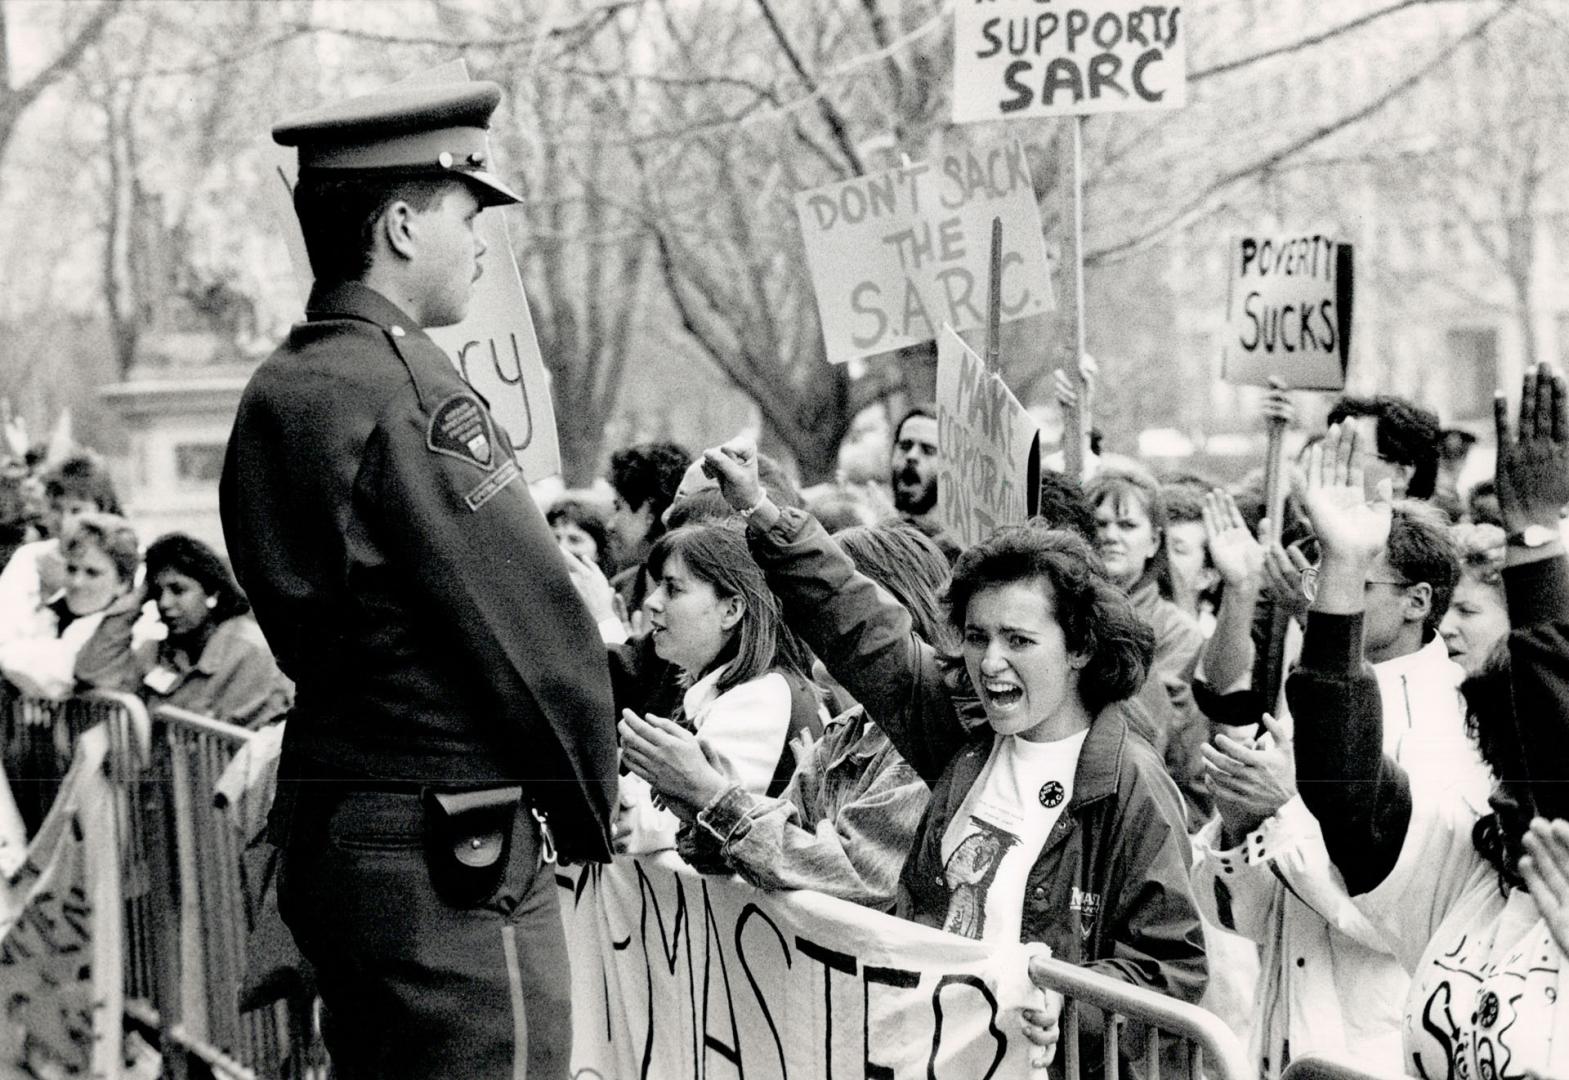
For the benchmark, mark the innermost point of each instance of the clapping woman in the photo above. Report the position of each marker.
(711, 615)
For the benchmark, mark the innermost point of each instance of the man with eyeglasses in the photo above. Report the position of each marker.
(1328, 982)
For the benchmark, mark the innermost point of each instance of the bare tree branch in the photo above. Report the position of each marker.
(830, 114)
(1270, 160)
(15, 100)
(1310, 40)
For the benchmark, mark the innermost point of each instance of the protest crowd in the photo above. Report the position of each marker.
(1305, 764)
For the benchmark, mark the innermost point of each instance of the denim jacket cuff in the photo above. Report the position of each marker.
(727, 811)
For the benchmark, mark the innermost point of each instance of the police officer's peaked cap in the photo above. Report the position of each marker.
(403, 132)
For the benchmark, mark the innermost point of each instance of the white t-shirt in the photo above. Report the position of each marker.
(993, 841)
(1488, 984)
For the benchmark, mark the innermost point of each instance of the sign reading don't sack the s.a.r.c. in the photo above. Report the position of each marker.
(897, 254)
(1288, 312)
(1027, 58)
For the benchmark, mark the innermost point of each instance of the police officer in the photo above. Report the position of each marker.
(454, 712)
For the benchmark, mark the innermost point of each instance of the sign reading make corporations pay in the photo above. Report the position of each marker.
(1026, 58)
(1289, 311)
(896, 254)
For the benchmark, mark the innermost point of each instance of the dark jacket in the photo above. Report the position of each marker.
(1110, 888)
(404, 578)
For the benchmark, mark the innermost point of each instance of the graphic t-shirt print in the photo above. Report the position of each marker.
(970, 871)
(1485, 1005)
(994, 840)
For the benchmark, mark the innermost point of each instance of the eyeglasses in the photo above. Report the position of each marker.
(1310, 583)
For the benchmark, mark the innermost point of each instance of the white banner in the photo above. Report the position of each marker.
(676, 974)
(1023, 58)
(61, 991)
(897, 254)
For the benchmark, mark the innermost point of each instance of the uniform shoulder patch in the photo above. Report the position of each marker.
(460, 428)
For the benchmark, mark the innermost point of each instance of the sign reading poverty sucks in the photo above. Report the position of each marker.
(676, 974)
(897, 254)
(988, 446)
(1027, 58)
(1289, 312)
(494, 348)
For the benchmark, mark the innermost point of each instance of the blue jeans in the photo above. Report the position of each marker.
(413, 987)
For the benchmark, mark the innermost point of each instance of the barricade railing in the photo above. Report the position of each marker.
(187, 917)
(185, 911)
(207, 913)
(1321, 1067)
(1157, 1035)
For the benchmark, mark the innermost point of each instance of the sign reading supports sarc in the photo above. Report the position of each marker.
(1028, 58)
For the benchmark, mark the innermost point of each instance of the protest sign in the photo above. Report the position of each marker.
(1028, 58)
(494, 348)
(988, 446)
(60, 913)
(897, 254)
(1288, 312)
(677, 974)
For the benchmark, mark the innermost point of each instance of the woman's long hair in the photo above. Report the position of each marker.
(905, 561)
(717, 554)
(1489, 698)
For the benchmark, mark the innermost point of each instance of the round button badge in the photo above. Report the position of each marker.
(1051, 794)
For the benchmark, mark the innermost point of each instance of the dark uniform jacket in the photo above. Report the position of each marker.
(405, 579)
(1110, 888)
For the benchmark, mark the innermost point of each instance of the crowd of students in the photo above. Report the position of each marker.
(1069, 733)
(83, 606)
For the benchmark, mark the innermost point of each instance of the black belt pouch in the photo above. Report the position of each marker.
(468, 836)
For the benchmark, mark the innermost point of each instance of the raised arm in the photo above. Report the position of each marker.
(1533, 487)
(1362, 799)
(861, 633)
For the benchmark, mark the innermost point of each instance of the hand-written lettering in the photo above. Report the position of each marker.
(897, 254)
(846, 1014)
(980, 436)
(1083, 56)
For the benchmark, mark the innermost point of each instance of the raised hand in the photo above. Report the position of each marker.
(1545, 868)
(1236, 553)
(1533, 463)
(1277, 403)
(598, 595)
(1067, 388)
(734, 465)
(1349, 528)
(1283, 568)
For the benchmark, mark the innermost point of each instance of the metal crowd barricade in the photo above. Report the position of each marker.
(1321, 1067)
(1200, 1041)
(186, 917)
(205, 915)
